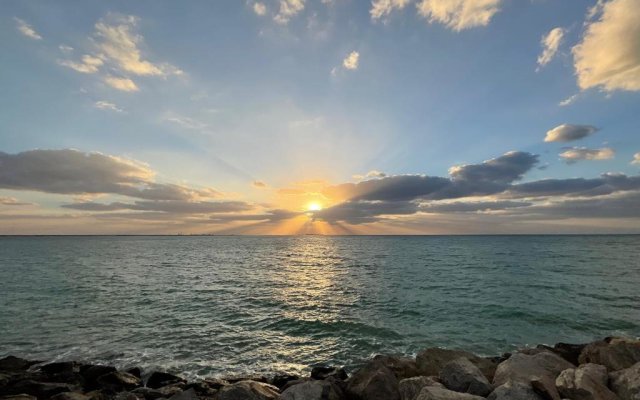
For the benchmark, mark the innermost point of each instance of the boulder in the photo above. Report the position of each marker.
(135, 371)
(158, 379)
(613, 353)
(59, 367)
(248, 390)
(147, 393)
(170, 390)
(70, 396)
(124, 396)
(91, 373)
(438, 393)
(323, 372)
(545, 387)
(410, 387)
(524, 368)
(281, 380)
(514, 390)
(626, 382)
(374, 381)
(431, 361)
(11, 363)
(19, 397)
(215, 383)
(119, 381)
(587, 382)
(188, 394)
(463, 376)
(568, 351)
(313, 390)
(402, 367)
(41, 390)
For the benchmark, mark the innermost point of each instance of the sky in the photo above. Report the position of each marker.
(320, 117)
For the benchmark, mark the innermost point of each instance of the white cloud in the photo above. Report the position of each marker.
(568, 133)
(124, 84)
(26, 29)
(575, 154)
(351, 61)
(609, 54)
(568, 101)
(382, 8)
(65, 49)
(259, 8)
(636, 159)
(550, 44)
(88, 65)
(459, 14)
(288, 9)
(105, 105)
(373, 174)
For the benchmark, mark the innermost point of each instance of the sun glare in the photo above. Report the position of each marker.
(314, 206)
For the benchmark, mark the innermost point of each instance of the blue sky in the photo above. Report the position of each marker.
(274, 103)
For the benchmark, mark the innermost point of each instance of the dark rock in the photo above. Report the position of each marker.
(514, 390)
(374, 381)
(313, 390)
(202, 388)
(438, 393)
(170, 390)
(570, 352)
(431, 361)
(587, 382)
(147, 393)
(70, 396)
(323, 372)
(249, 390)
(461, 375)
(59, 367)
(293, 383)
(124, 396)
(626, 382)
(91, 373)
(254, 378)
(410, 388)
(545, 387)
(41, 390)
(135, 371)
(11, 363)
(523, 368)
(19, 397)
(188, 394)
(119, 381)
(402, 367)
(159, 379)
(216, 383)
(613, 353)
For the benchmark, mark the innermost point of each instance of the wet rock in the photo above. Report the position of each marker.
(410, 387)
(188, 394)
(514, 390)
(124, 396)
(313, 390)
(570, 352)
(135, 371)
(147, 393)
(374, 381)
(431, 361)
(119, 381)
(461, 375)
(41, 390)
(626, 382)
(11, 363)
(323, 372)
(70, 396)
(402, 367)
(170, 390)
(613, 353)
(523, 368)
(587, 382)
(91, 373)
(438, 393)
(545, 387)
(59, 367)
(216, 383)
(248, 390)
(254, 378)
(280, 380)
(159, 379)
(19, 397)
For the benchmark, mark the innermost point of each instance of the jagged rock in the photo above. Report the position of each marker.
(402, 367)
(545, 387)
(523, 368)
(201, 388)
(461, 375)
(215, 383)
(280, 380)
(59, 367)
(626, 382)
(11, 363)
(568, 351)
(119, 381)
(70, 396)
(587, 382)
(410, 387)
(430, 361)
(323, 372)
(91, 373)
(147, 393)
(374, 381)
(248, 390)
(313, 390)
(613, 353)
(170, 390)
(159, 379)
(514, 390)
(135, 371)
(188, 394)
(38, 389)
(438, 393)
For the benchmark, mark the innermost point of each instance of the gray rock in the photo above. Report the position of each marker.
(374, 381)
(613, 353)
(514, 390)
(524, 368)
(626, 382)
(438, 393)
(188, 394)
(587, 382)
(313, 390)
(410, 388)
(463, 376)
(545, 387)
(323, 372)
(402, 367)
(248, 390)
(430, 361)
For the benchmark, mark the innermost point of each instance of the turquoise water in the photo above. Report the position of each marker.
(225, 305)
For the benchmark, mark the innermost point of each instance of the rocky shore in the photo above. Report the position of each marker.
(607, 369)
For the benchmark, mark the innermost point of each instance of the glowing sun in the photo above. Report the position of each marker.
(314, 206)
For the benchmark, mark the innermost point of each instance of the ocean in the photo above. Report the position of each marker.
(226, 305)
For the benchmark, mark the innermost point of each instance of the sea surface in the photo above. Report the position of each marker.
(212, 306)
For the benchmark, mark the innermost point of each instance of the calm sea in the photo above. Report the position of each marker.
(225, 305)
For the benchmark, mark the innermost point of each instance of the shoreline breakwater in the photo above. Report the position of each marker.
(607, 369)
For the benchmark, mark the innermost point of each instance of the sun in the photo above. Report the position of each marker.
(314, 206)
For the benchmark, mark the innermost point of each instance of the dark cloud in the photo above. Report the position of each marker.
(605, 184)
(362, 211)
(472, 206)
(392, 188)
(259, 184)
(567, 133)
(505, 169)
(168, 206)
